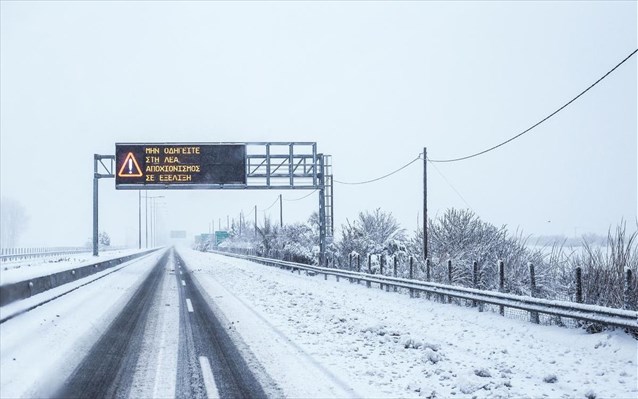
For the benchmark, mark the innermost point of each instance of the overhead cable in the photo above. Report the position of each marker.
(299, 199)
(381, 177)
(538, 123)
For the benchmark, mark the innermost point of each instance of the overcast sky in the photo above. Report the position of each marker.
(371, 83)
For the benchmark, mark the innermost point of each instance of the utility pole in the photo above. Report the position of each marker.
(281, 210)
(425, 204)
(255, 220)
(227, 222)
(146, 216)
(241, 217)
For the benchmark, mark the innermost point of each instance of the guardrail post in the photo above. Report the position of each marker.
(358, 266)
(368, 284)
(627, 291)
(394, 272)
(533, 316)
(501, 284)
(411, 275)
(579, 285)
(474, 279)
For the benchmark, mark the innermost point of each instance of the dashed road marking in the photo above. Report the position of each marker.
(189, 305)
(209, 380)
(183, 283)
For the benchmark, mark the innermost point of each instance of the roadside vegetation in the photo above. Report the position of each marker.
(461, 237)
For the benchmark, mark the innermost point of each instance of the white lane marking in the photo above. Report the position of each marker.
(189, 305)
(180, 272)
(209, 380)
(183, 283)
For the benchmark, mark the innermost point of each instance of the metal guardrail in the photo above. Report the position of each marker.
(12, 254)
(598, 314)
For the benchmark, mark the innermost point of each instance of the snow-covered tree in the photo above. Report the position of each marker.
(461, 236)
(104, 239)
(13, 222)
(376, 232)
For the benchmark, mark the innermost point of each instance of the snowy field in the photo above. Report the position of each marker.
(321, 338)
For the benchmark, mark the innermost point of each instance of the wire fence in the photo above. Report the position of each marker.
(408, 268)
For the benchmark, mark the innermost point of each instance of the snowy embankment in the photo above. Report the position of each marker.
(321, 338)
(12, 272)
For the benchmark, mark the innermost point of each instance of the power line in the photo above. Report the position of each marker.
(381, 177)
(538, 123)
(450, 184)
(271, 205)
(299, 199)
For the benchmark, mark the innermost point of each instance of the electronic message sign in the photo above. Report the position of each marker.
(179, 165)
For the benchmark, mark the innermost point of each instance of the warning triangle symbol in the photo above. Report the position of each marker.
(130, 167)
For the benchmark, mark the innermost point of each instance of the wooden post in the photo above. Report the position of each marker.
(501, 284)
(358, 266)
(474, 279)
(427, 274)
(627, 290)
(350, 266)
(381, 260)
(449, 277)
(395, 271)
(579, 285)
(411, 275)
(368, 284)
(533, 316)
(449, 271)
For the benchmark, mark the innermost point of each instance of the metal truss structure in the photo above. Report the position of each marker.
(269, 166)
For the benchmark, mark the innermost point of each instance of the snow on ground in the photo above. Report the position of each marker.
(40, 348)
(11, 272)
(325, 338)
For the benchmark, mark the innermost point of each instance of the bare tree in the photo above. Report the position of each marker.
(13, 222)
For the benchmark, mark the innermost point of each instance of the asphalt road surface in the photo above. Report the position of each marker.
(208, 363)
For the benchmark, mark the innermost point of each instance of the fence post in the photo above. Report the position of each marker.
(395, 271)
(381, 260)
(411, 275)
(368, 284)
(350, 267)
(579, 285)
(449, 277)
(501, 284)
(627, 290)
(474, 279)
(427, 275)
(532, 287)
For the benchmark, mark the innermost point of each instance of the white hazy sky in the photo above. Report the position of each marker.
(371, 83)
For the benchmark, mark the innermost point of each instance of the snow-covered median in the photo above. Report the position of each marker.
(325, 338)
(37, 267)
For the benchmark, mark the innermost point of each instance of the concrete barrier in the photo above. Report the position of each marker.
(24, 289)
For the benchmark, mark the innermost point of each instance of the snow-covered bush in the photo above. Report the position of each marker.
(376, 233)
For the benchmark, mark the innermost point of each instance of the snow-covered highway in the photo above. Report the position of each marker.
(190, 324)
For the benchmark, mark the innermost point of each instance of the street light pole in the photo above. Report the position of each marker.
(139, 219)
